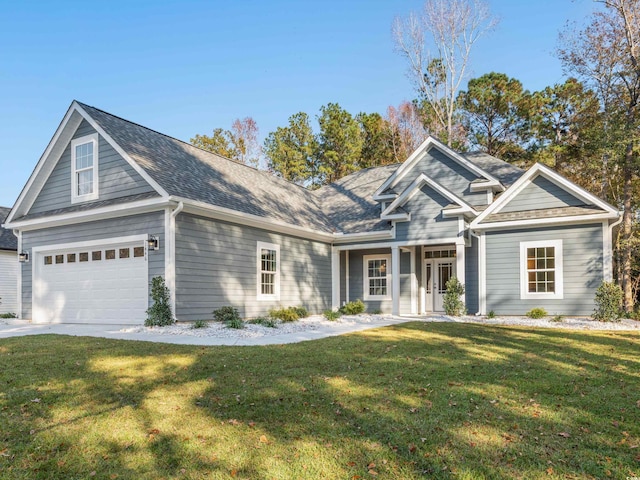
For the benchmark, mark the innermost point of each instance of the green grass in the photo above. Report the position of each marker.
(419, 400)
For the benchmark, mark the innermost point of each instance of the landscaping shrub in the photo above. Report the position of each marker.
(8, 315)
(491, 314)
(265, 322)
(289, 314)
(159, 314)
(608, 302)
(376, 311)
(200, 324)
(353, 308)
(301, 312)
(229, 316)
(537, 313)
(452, 302)
(332, 315)
(558, 319)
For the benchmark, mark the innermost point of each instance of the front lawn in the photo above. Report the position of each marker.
(436, 400)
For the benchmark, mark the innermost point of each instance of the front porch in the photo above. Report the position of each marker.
(398, 279)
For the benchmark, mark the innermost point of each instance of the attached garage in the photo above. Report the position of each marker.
(92, 282)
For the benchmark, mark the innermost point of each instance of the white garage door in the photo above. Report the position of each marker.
(101, 284)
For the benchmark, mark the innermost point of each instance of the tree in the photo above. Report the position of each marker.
(377, 146)
(290, 150)
(407, 130)
(606, 53)
(240, 143)
(339, 143)
(437, 45)
(497, 111)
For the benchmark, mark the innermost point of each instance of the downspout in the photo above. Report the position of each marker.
(480, 271)
(172, 254)
(611, 227)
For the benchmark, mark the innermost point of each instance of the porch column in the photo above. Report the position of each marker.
(460, 265)
(414, 283)
(395, 280)
(482, 273)
(335, 278)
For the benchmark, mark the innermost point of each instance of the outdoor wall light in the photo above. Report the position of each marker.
(23, 257)
(153, 243)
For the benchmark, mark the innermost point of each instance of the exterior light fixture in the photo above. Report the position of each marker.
(153, 243)
(23, 257)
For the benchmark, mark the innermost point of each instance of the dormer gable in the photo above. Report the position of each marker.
(470, 178)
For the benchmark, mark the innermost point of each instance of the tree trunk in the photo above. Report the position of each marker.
(627, 224)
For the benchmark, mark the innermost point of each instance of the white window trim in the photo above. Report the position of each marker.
(524, 290)
(75, 198)
(365, 276)
(259, 295)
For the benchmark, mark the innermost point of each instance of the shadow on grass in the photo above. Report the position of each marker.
(409, 401)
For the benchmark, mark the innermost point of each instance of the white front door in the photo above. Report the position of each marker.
(438, 267)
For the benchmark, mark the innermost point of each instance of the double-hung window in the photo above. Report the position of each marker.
(268, 256)
(84, 168)
(541, 273)
(377, 283)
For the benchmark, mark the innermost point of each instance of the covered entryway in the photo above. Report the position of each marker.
(91, 282)
(439, 265)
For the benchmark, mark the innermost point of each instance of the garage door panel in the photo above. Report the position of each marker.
(99, 290)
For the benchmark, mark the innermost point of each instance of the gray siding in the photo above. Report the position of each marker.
(216, 265)
(582, 267)
(149, 223)
(356, 280)
(471, 276)
(116, 177)
(448, 173)
(405, 282)
(8, 281)
(427, 222)
(540, 194)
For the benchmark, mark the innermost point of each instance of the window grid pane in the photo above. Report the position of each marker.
(541, 270)
(377, 273)
(269, 268)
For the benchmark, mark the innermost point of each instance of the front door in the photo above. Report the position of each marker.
(439, 266)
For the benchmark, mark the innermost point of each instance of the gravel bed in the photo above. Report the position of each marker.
(316, 322)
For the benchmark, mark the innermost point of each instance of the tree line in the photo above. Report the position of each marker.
(586, 127)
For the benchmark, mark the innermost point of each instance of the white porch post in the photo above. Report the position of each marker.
(335, 278)
(460, 264)
(346, 276)
(395, 280)
(414, 283)
(482, 274)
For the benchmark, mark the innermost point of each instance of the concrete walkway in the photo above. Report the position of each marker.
(16, 328)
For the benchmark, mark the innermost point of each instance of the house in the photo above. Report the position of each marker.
(112, 204)
(8, 267)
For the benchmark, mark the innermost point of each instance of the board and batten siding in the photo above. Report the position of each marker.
(582, 269)
(116, 178)
(8, 281)
(216, 266)
(540, 194)
(448, 173)
(427, 221)
(148, 223)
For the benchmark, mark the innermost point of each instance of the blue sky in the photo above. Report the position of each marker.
(186, 67)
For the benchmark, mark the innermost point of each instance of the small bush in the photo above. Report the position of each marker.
(301, 312)
(159, 314)
(608, 302)
(558, 319)
(491, 314)
(452, 302)
(353, 308)
(332, 315)
(537, 313)
(199, 324)
(229, 316)
(265, 322)
(377, 311)
(8, 315)
(289, 314)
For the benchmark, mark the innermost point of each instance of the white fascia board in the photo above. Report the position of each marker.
(537, 222)
(364, 236)
(46, 163)
(415, 186)
(527, 178)
(133, 208)
(407, 243)
(161, 191)
(489, 185)
(430, 142)
(403, 217)
(227, 214)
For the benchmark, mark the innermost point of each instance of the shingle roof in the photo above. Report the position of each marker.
(349, 202)
(186, 171)
(543, 213)
(503, 171)
(8, 240)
